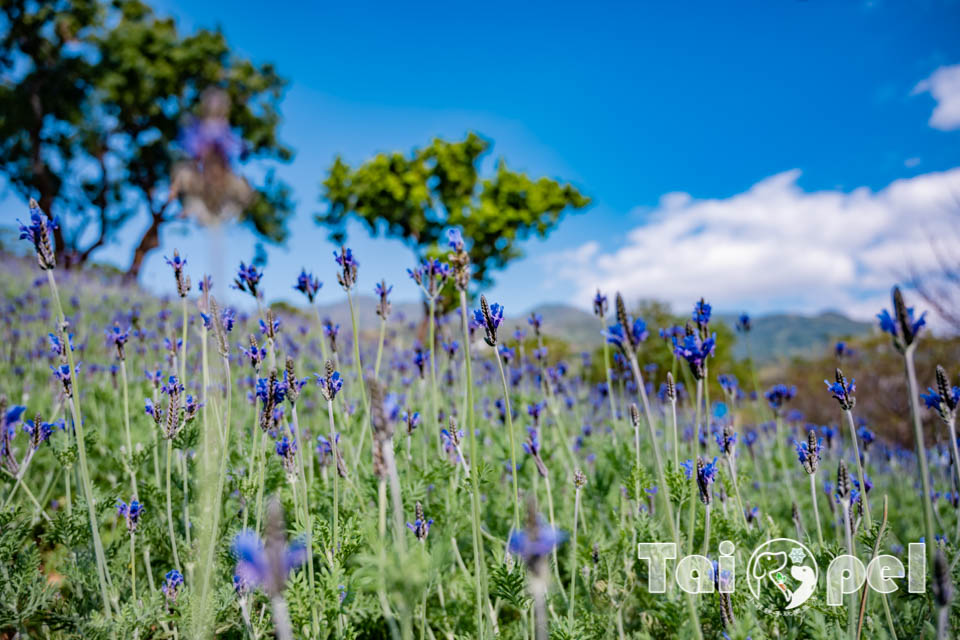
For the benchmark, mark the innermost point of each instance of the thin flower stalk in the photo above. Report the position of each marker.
(74, 401)
(469, 419)
(579, 480)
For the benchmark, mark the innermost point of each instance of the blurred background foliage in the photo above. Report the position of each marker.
(94, 98)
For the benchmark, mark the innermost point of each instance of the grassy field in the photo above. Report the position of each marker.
(186, 470)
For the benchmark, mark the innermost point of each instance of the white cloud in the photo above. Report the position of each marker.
(775, 246)
(944, 85)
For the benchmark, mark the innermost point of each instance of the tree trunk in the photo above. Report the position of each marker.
(149, 242)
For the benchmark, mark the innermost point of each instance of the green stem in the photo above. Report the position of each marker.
(816, 510)
(435, 418)
(573, 558)
(126, 427)
(513, 445)
(133, 567)
(921, 452)
(102, 573)
(173, 536)
(376, 366)
(860, 475)
(479, 568)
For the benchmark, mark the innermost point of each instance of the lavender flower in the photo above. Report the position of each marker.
(744, 324)
(430, 276)
(118, 338)
(729, 384)
(383, 304)
(248, 279)
(131, 513)
(265, 567)
(843, 391)
(455, 239)
(348, 268)
(330, 383)
(600, 305)
(535, 542)
(902, 326)
(706, 475)
(459, 259)
(536, 321)
(944, 399)
(808, 453)
(627, 333)
(489, 317)
(420, 526)
(286, 448)
(331, 331)
(38, 431)
(411, 419)
(695, 351)
(727, 440)
(701, 315)
(271, 327)
(308, 285)
(778, 395)
(255, 354)
(183, 282)
(532, 447)
(38, 233)
(172, 582)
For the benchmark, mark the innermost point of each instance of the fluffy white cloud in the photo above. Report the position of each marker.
(776, 246)
(944, 85)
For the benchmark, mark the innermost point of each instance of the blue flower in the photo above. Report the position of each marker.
(248, 279)
(729, 383)
(743, 323)
(535, 542)
(780, 394)
(329, 385)
(38, 233)
(706, 475)
(695, 351)
(536, 321)
(172, 582)
(13, 415)
(39, 432)
(701, 313)
(253, 562)
(902, 325)
(807, 455)
(421, 525)
(211, 135)
(348, 267)
(455, 239)
(131, 513)
(308, 285)
(489, 317)
(600, 304)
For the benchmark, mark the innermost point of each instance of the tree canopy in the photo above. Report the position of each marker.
(92, 101)
(416, 197)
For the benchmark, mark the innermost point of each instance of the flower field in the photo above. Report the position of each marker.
(180, 468)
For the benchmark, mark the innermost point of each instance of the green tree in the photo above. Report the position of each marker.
(416, 197)
(92, 100)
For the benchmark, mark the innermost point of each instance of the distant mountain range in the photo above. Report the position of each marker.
(784, 335)
(774, 336)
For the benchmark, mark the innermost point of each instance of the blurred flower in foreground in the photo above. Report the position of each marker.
(205, 182)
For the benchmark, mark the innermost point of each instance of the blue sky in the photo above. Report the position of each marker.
(800, 112)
